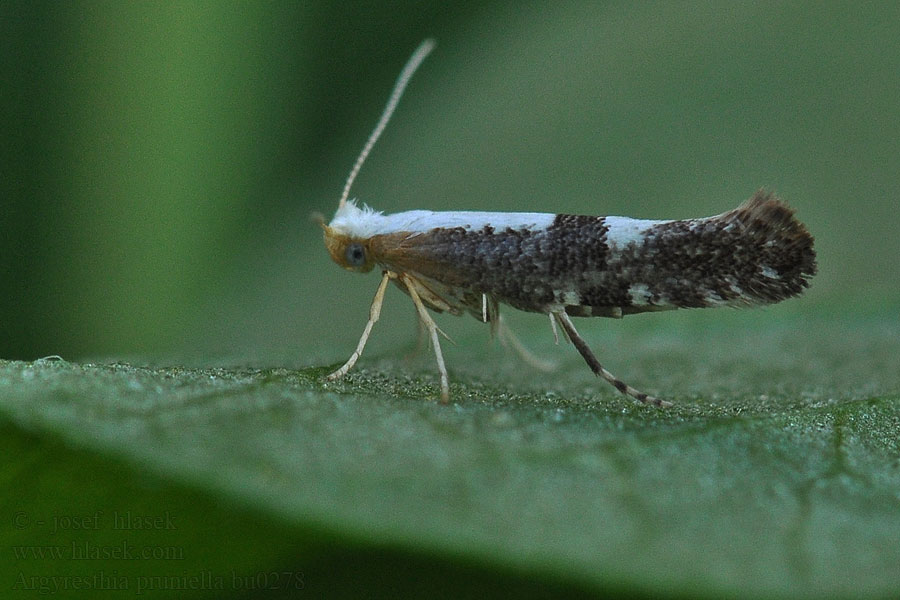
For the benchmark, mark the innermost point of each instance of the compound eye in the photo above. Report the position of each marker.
(355, 254)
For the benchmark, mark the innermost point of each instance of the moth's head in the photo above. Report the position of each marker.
(348, 237)
(351, 253)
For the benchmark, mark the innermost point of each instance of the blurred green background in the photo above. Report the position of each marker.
(161, 160)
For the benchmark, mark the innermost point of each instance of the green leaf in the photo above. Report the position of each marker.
(776, 473)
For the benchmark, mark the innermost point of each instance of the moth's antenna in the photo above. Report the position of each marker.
(405, 75)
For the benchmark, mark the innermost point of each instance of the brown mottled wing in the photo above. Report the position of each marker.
(757, 253)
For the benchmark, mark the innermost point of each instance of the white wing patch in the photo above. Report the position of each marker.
(365, 222)
(624, 230)
(639, 294)
(769, 272)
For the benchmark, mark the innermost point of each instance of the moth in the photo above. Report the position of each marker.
(564, 265)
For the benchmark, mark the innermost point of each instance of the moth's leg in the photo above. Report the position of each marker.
(490, 313)
(597, 368)
(433, 330)
(511, 340)
(553, 328)
(374, 313)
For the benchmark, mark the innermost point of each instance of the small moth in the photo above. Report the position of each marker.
(565, 265)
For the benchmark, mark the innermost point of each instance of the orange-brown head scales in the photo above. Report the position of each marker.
(351, 253)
